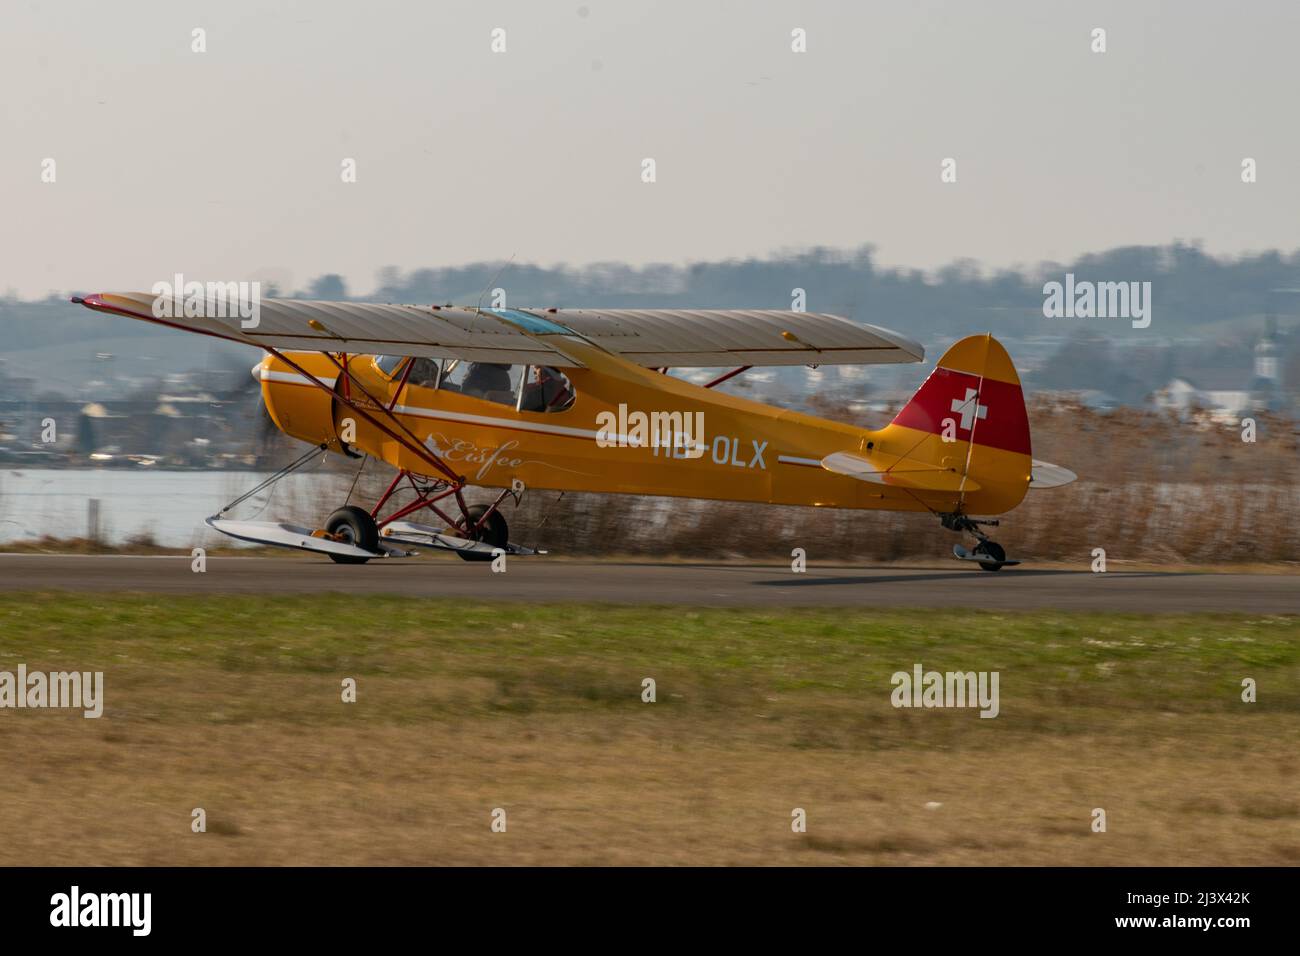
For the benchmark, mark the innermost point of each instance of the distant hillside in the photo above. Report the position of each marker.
(1194, 295)
(1190, 289)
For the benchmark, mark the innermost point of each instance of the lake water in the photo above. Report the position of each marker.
(169, 505)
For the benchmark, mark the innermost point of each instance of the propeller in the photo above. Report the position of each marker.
(246, 391)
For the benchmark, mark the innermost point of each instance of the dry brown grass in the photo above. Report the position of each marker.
(602, 789)
(232, 705)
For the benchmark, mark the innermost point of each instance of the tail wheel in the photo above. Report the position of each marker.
(353, 525)
(493, 531)
(990, 549)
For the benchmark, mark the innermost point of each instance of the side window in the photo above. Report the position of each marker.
(424, 372)
(492, 381)
(546, 389)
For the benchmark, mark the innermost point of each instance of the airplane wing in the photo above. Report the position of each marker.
(703, 338)
(677, 338)
(357, 327)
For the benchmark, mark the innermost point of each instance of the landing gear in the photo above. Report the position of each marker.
(993, 551)
(352, 535)
(987, 552)
(353, 525)
(493, 531)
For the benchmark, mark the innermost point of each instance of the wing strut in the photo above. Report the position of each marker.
(732, 374)
(412, 444)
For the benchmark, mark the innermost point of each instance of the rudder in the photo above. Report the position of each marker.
(970, 414)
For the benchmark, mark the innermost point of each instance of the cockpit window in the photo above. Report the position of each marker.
(424, 372)
(546, 389)
(492, 381)
(532, 388)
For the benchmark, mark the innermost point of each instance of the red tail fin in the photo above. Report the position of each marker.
(973, 395)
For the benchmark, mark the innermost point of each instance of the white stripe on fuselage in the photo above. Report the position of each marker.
(293, 378)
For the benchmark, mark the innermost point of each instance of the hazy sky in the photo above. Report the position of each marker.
(226, 164)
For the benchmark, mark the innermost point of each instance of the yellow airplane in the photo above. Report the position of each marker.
(579, 400)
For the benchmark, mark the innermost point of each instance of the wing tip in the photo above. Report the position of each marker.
(903, 343)
(93, 300)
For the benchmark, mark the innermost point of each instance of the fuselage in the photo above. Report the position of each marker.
(745, 450)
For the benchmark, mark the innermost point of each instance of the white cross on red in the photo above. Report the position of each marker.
(970, 409)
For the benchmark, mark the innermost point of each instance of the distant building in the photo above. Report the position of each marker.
(1266, 387)
(1183, 397)
(1221, 394)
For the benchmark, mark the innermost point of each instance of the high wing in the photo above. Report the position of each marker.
(360, 328)
(651, 338)
(702, 338)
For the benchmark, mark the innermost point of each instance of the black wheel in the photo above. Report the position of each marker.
(353, 525)
(992, 550)
(494, 531)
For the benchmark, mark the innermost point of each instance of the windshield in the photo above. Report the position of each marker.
(388, 363)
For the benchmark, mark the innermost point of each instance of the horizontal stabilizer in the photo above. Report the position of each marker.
(1047, 475)
(903, 473)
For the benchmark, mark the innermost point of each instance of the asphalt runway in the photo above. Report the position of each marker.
(700, 584)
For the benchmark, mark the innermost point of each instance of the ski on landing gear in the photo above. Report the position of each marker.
(987, 552)
(353, 535)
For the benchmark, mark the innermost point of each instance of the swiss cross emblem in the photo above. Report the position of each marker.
(970, 409)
